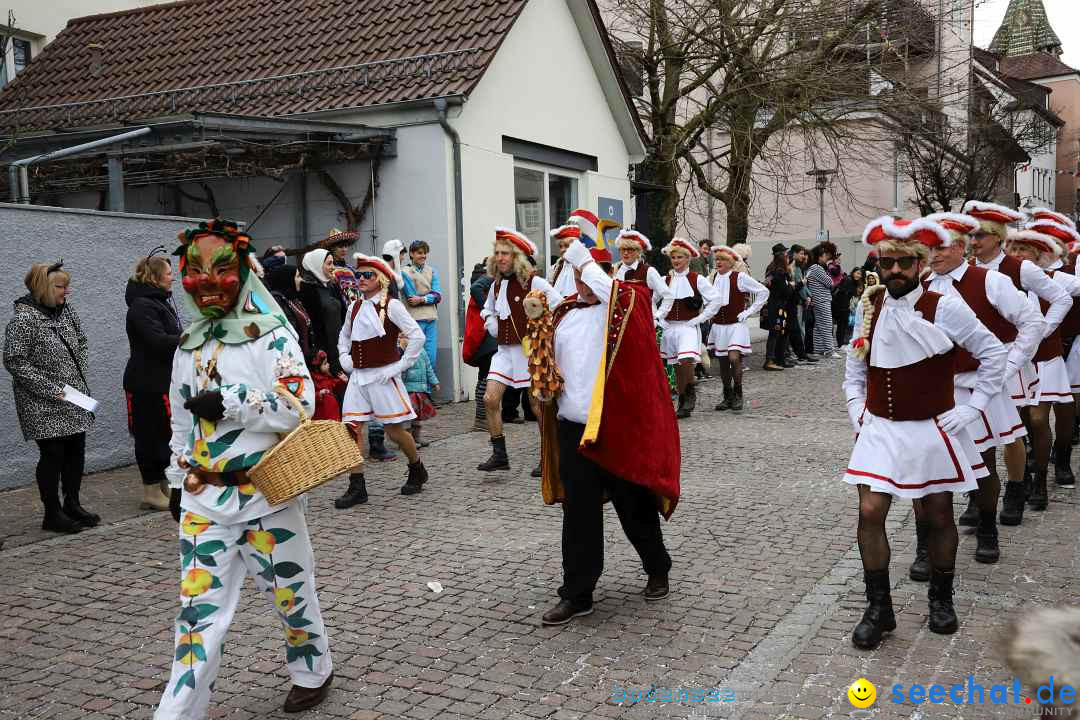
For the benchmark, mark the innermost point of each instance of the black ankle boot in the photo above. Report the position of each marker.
(499, 460)
(75, 511)
(1012, 506)
(737, 400)
(417, 477)
(1063, 474)
(970, 517)
(942, 613)
(377, 448)
(680, 411)
(986, 539)
(878, 617)
(355, 495)
(691, 399)
(1037, 500)
(56, 520)
(725, 404)
(920, 569)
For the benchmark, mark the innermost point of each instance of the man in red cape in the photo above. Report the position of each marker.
(614, 390)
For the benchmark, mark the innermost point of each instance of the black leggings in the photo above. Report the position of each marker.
(148, 421)
(61, 463)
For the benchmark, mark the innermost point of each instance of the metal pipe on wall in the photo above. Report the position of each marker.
(459, 229)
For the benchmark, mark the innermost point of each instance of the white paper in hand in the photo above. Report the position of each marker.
(75, 397)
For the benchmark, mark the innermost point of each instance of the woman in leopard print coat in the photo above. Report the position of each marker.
(44, 350)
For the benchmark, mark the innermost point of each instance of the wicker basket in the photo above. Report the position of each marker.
(312, 454)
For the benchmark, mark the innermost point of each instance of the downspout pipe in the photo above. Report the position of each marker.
(17, 173)
(459, 224)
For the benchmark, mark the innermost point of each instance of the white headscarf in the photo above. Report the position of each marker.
(313, 262)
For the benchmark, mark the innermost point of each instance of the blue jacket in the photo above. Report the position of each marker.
(420, 377)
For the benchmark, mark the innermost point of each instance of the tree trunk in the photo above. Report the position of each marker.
(738, 207)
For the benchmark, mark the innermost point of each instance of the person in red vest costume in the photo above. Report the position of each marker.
(1070, 326)
(987, 245)
(695, 303)
(632, 268)
(901, 400)
(368, 351)
(562, 275)
(1054, 390)
(1019, 326)
(729, 337)
(609, 324)
(504, 317)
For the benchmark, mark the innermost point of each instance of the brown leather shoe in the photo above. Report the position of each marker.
(302, 698)
(564, 612)
(657, 588)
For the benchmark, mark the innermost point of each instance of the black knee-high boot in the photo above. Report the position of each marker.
(878, 618)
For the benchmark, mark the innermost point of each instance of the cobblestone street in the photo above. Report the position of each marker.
(766, 587)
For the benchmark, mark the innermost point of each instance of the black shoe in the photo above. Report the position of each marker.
(1063, 474)
(808, 359)
(499, 460)
(1038, 500)
(681, 412)
(1012, 506)
(377, 448)
(302, 698)
(970, 517)
(537, 471)
(942, 615)
(788, 364)
(564, 612)
(355, 495)
(725, 404)
(986, 539)
(514, 420)
(656, 588)
(737, 400)
(878, 618)
(56, 520)
(417, 477)
(75, 511)
(691, 399)
(920, 569)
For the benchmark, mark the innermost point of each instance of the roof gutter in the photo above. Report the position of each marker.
(459, 226)
(18, 177)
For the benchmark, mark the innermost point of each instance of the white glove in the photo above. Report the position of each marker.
(955, 420)
(743, 315)
(577, 254)
(388, 372)
(855, 407)
(345, 360)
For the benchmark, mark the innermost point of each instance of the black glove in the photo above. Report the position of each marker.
(174, 503)
(207, 405)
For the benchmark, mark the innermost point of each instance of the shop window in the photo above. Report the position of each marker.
(542, 202)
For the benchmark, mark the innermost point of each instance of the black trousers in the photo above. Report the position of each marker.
(586, 485)
(149, 424)
(60, 464)
(794, 332)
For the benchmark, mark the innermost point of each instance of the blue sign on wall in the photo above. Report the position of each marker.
(610, 209)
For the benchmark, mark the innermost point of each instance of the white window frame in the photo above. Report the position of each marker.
(549, 170)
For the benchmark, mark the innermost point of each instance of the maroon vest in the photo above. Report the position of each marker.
(913, 392)
(377, 351)
(640, 274)
(972, 288)
(736, 303)
(1070, 326)
(1051, 347)
(513, 328)
(681, 309)
(1010, 267)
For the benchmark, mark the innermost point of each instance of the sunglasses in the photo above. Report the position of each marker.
(905, 263)
(366, 274)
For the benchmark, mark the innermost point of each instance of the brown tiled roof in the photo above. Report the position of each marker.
(1036, 65)
(195, 43)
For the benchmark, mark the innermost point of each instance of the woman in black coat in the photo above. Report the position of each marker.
(153, 330)
(323, 304)
(284, 284)
(781, 287)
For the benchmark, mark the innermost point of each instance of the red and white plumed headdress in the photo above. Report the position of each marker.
(992, 218)
(955, 222)
(633, 239)
(516, 239)
(1064, 234)
(921, 231)
(588, 223)
(600, 255)
(682, 244)
(1053, 216)
(377, 264)
(1048, 248)
(729, 252)
(566, 231)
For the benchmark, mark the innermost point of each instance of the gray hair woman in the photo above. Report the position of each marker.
(45, 351)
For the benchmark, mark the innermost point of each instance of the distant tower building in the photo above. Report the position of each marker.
(1025, 30)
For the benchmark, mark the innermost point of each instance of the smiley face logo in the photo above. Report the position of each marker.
(862, 693)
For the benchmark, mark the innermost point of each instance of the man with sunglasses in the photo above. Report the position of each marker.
(1016, 323)
(911, 442)
(987, 245)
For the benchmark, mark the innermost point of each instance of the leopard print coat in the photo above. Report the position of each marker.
(45, 350)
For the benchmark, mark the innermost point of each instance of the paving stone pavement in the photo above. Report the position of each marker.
(766, 587)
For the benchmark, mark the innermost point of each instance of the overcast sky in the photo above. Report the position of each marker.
(1064, 17)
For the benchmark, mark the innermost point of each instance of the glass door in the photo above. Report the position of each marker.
(542, 201)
